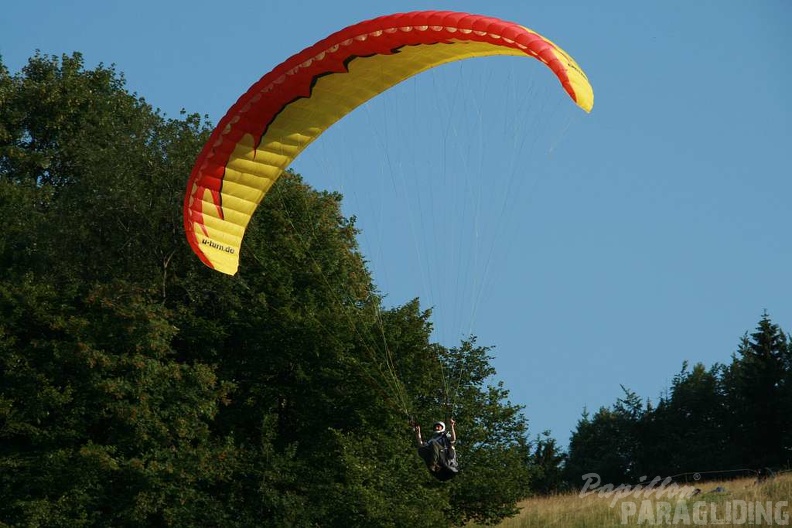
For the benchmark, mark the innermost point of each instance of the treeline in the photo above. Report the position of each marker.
(140, 388)
(724, 421)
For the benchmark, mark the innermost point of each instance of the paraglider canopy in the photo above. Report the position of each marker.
(289, 107)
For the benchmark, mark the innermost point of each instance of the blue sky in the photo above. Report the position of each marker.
(592, 251)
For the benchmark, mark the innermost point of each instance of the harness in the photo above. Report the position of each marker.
(446, 461)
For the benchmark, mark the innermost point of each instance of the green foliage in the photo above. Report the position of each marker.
(713, 421)
(139, 388)
(493, 447)
(604, 444)
(758, 393)
(690, 428)
(99, 426)
(547, 461)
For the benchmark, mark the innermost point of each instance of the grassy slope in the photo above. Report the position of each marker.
(738, 499)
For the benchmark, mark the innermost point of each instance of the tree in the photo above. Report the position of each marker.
(493, 443)
(547, 462)
(688, 430)
(757, 382)
(714, 420)
(100, 424)
(139, 388)
(608, 444)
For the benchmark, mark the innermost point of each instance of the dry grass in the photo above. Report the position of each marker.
(743, 503)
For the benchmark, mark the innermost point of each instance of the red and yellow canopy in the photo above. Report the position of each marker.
(293, 104)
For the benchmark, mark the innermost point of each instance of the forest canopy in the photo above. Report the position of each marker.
(140, 388)
(723, 421)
